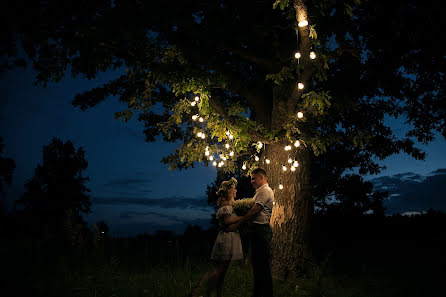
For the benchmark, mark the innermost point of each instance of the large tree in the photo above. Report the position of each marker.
(373, 59)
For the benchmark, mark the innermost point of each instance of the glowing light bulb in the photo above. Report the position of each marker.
(194, 117)
(297, 143)
(297, 55)
(267, 161)
(284, 168)
(289, 159)
(231, 136)
(259, 145)
(293, 168)
(193, 103)
(223, 158)
(201, 120)
(300, 114)
(211, 158)
(312, 55)
(197, 98)
(227, 132)
(199, 134)
(300, 86)
(281, 186)
(221, 164)
(303, 23)
(207, 153)
(296, 164)
(203, 136)
(227, 145)
(288, 147)
(214, 163)
(256, 158)
(231, 153)
(244, 167)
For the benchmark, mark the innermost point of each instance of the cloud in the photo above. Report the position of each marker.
(410, 192)
(167, 202)
(128, 182)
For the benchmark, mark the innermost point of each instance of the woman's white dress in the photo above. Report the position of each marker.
(228, 245)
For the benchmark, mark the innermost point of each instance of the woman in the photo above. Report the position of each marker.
(228, 245)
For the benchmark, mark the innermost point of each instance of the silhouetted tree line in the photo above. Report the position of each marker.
(56, 198)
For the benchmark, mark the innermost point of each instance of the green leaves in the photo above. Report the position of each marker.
(286, 73)
(318, 102)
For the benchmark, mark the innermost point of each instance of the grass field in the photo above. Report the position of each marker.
(349, 266)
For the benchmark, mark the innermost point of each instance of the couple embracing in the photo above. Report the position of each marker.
(228, 246)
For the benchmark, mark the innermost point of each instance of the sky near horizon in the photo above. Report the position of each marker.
(131, 190)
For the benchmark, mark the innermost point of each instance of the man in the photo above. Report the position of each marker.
(260, 233)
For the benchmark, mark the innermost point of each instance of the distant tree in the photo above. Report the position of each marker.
(7, 166)
(353, 197)
(374, 59)
(56, 197)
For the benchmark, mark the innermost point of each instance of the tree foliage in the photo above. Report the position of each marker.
(372, 61)
(56, 196)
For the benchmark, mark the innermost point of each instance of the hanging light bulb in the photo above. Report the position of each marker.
(244, 166)
(296, 164)
(207, 153)
(223, 158)
(201, 120)
(197, 98)
(256, 158)
(312, 55)
(193, 103)
(267, 161)
(297, 143)
(221, 164)
(303, 23)
(300, 114)
(281, 186)
(227, 132)
(300, 86)
(231, 136)
(289, 159)
(214, 163)
(297, 55)
(227, 145)
(199, 134)
(203, 136)
(231, 153)
(211, 158)
(288, 147)
(194, 117)
(293, 168)
(284, 167)
(259, 145)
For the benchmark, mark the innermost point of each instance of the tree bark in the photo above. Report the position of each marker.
(292, 211)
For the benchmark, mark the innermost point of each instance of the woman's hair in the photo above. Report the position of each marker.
(223, 190)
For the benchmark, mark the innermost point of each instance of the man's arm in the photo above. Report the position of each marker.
(248, 216)
(254, 211)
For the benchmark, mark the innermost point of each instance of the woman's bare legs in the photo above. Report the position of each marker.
(216, 278)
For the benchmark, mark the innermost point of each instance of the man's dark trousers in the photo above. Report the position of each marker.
(260, 238)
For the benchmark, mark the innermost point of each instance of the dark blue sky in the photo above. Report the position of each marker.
(131, 190)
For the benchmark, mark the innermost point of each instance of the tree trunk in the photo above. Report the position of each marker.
(293, 208)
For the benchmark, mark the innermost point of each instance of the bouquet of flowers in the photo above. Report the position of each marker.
(241, 206)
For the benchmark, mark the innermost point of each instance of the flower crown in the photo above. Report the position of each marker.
(226, 185)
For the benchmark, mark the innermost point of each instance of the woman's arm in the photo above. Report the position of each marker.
(231, 220)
